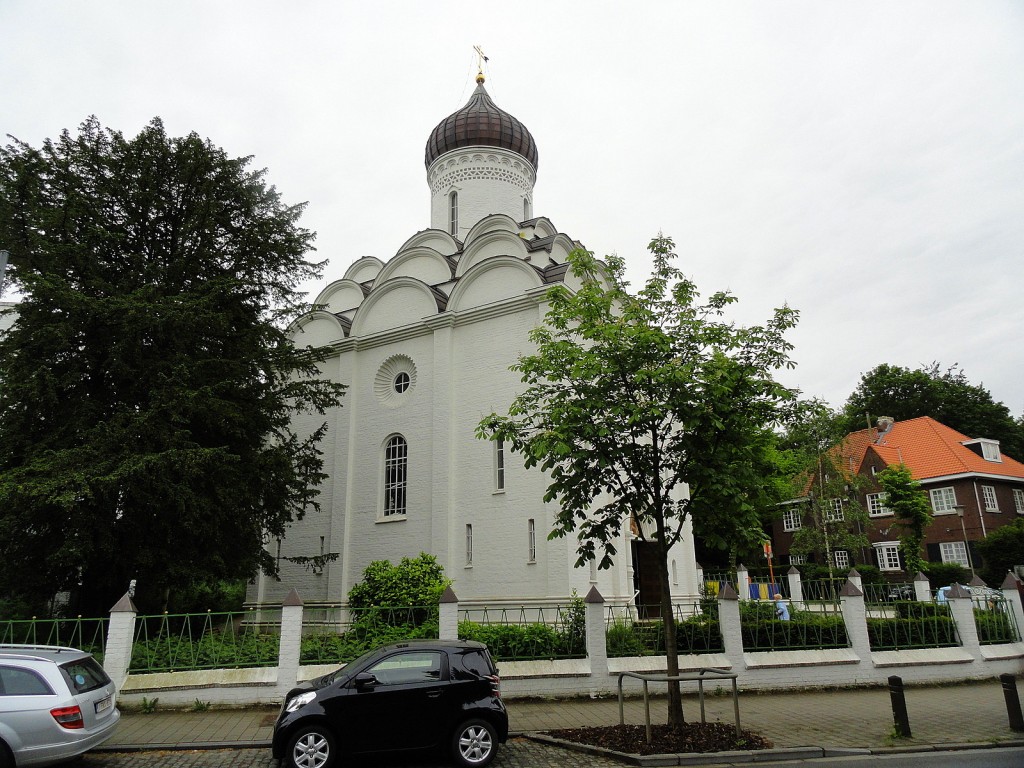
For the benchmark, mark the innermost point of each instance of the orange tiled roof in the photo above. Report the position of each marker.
(929, 449)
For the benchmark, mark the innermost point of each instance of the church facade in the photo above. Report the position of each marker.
(424, 342)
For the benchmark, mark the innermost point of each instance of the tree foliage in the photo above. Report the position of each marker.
(909, 503)
(632, 398)
(1001, 550)
(147, 388)
(414, 582)
(832, 517)
(945, 395)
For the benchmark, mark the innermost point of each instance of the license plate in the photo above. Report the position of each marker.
(104, 704)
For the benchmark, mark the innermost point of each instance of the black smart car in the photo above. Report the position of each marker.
(413, 695)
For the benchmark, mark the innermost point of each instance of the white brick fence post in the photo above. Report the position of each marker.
(922, 589)
(742, 582)
(855, 618)
(854, 576)
(732, 629)
(448, 616)
(1013, 601)
(290, 648)
(961, 605)
(117, 657)
(796, 588)
(597, 643)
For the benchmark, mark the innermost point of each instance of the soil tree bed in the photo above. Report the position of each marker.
(692, 737)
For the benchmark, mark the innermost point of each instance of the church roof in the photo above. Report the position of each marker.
(480, 123)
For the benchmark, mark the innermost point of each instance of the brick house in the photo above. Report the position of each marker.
(973, 489)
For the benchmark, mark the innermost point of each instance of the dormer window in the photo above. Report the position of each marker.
(988, 449)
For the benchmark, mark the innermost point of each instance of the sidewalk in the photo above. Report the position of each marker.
(969, 713)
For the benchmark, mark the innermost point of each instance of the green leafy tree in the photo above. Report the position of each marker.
(148, 387)
(833, 518)
(413, 582)
(632, 398)
(945, 395)
(909, 503)
(1001, 550)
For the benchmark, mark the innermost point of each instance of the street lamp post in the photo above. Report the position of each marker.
(960, 513)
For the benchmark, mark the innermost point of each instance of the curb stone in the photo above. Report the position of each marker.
(757, 755)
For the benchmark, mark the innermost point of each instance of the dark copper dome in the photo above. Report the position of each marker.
(478, 123)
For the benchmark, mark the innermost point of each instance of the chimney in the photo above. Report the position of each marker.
(884, 426)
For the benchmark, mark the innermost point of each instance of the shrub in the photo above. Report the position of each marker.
(912, 633)
(416, 581)
(944, 574)
(994, 626)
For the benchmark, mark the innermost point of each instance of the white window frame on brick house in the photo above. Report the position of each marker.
(988, 496)
(954, 552)
(1018, 500)
(876, 505)
(888, 554)
(791, 519)
(834, 511)
(841, 559)
(396, 478)
(943, 500)
(797, 559)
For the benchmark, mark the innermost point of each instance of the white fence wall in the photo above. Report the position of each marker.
(596, 674)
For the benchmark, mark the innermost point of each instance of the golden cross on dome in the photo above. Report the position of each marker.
(481, 58)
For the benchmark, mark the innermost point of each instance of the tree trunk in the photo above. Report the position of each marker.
(675, 699)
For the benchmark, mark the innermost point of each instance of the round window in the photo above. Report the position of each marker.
(401, 382)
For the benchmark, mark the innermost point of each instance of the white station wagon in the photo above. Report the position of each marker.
(55, 704)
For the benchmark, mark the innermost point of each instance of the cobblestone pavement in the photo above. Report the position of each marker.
(516, 753)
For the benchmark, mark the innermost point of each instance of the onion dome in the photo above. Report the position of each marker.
(481, 123)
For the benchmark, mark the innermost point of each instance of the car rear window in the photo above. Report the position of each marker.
(473, 662)
(84, 675)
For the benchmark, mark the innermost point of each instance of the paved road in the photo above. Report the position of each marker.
(516, 753)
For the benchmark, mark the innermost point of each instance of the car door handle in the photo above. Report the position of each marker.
(433, 693)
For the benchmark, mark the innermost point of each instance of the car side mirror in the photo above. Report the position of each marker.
(365, 680)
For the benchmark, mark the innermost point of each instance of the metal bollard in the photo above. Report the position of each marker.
(899, 707)
(1012, 702)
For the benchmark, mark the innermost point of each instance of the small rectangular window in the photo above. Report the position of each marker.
(499, 464)
(954, 552)
(888, 556)
(841, 559)
(988, 493)
(943, 500)
(791, 520)
(834, 510)
(531, 541)
(1018, 500)
(797, 559)
(469, 545)
(876, 505)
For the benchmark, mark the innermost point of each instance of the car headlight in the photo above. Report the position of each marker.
(299, 701)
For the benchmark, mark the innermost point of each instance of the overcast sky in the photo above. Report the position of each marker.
(861, 161)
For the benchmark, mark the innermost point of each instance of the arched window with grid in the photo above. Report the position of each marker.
(396, 469)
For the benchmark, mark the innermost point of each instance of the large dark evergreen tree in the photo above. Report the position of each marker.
(945, 395)
(147, 388)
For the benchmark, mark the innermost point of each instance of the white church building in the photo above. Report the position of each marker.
(424, 341)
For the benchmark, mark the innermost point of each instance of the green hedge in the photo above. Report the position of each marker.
(518, 642)
(922, 632)
(994, 626)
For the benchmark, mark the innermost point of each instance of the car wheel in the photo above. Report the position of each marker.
(474, 744)
(6, 760)
(311, 747)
